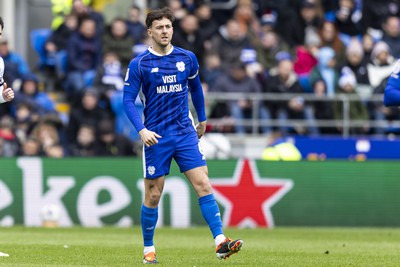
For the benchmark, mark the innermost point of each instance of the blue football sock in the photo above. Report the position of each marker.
(210, 210)
(148, 218)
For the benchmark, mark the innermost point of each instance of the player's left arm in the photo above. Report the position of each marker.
(196, 91)
(198, 103)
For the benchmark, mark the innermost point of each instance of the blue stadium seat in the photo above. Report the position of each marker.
(38, 39)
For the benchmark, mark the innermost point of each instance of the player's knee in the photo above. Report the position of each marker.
(153, 198)
(203, 186)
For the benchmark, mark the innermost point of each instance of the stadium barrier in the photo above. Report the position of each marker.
(346, 123)
(94, 192)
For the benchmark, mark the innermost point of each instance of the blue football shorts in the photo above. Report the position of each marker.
(185, 149)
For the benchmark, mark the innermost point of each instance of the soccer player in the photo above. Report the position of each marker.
(392, 90)
(6, 94)
(165, 74)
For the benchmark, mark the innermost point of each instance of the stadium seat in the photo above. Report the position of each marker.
(38, 39)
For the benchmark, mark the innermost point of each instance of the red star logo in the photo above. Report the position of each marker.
(247, 198)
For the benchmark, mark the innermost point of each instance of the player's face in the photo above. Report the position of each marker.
(161, 32)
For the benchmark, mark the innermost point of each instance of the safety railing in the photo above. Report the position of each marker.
(256, 98)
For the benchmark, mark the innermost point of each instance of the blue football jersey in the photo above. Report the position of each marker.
(162, 81)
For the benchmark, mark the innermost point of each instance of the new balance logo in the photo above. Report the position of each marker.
(150, 228)
(217, 214)
(154, 70)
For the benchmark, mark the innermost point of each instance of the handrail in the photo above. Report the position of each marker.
(346, 123)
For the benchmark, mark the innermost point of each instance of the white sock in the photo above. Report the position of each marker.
(149, 249)
(219, 239)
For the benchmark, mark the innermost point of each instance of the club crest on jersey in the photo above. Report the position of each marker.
(180, 65)
(151, 170)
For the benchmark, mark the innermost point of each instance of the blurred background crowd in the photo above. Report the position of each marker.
(70, 102)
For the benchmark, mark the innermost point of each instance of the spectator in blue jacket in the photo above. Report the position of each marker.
(29, 93)
(84, 56)
(15, 65)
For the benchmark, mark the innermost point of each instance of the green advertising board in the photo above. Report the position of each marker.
(109, 191)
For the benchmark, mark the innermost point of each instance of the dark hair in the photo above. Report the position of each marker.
(159, 14)
(1, 23)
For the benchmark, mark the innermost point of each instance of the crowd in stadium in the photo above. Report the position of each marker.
(318, 47)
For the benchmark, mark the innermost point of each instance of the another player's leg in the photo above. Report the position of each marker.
(149, 216)
(225, 246)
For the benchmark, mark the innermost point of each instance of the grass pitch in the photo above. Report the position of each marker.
(194, 247)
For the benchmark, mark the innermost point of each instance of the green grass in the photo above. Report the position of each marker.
(194, 247)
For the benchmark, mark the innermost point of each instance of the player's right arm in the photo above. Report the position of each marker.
(6, 94)
(392, 91)
(132, 85)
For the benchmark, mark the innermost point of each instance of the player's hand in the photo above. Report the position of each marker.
(149, 138)
(8, 93)
(201, 129)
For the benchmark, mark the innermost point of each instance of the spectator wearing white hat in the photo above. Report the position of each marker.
(381, 65)
(357, 109)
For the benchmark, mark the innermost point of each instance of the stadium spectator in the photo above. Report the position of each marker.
(207, 23)
(30, 148)
(270, 45)
(348, 18)
(356, 61)
(237, 81)
(178, 10)
(368, 44)
(29, 93)
(87, 112)
(136, 28)
(284, 80)
(187, 35)
(111, 143)
(308, 21)
(26, 117)
(212, 69)
(250, 24)
(118, 40)
(14, 63)
(322, 110)
(268, 22)
(47, 135)
(141, 46)
(110, 75)
(326, 70)
(391, 34)
(306, 60)
(330, 38)
(357, 109)
(9, 145)
(85, 144)
(374, 14)
(84, 56)
(56, 45)
(83, 11)
(381, 65)
(229, 43)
